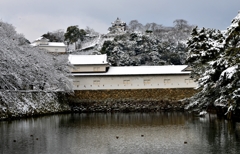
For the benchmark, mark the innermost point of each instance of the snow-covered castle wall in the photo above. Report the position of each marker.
(132, 82)
(140, 88)
(137, 86)
(135, 77)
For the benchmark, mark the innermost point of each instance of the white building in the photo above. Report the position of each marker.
(92, 72)
(88, 63)
(44, 43)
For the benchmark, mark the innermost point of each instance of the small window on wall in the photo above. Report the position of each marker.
(96, 69)
(96, 82)
(76, 68)
(167, 81)
(188, 80)
(76, 83)
(146, 81)
(125, 82)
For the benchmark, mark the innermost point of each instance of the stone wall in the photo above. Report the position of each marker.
(31, 103)
(129, 100)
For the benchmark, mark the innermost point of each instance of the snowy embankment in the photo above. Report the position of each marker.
(29, 103)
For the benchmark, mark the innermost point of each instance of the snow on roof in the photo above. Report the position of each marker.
(56, 44)
(140, 70)
(53, 44)
(87, 59)
(41, 38)
(33, 44)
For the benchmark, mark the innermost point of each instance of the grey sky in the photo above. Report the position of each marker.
(36, 17)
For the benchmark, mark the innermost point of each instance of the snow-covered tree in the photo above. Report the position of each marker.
(181, 30)
(55, 36)
(204, 46)
(90, 32)
(74, 34)
(135, 26)
(25, 68)
(215, 62)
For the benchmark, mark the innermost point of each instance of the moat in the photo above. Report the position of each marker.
(120, 133)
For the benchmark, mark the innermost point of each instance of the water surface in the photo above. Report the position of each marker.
(120, 133)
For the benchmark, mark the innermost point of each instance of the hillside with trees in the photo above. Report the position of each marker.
(135, 48)
(133, 44)
(214, 57)
(151, 44)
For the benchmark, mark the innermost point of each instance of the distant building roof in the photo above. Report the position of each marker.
(53, 44)
(56, 44)
(87, 59)
(40, 39)
(140, 70)
(44, 42)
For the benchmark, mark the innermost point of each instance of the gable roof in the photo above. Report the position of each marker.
(50, 44)
(140, 70)
(38, 41)
(41, 39)
(87, 59)
(55, 44)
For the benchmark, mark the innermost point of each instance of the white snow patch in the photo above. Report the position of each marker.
(87, 59)
(141, 70)
(229, 72)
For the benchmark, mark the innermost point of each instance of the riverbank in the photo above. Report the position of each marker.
(32, 103)
(126, 105)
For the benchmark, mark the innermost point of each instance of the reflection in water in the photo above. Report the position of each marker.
(120, 133)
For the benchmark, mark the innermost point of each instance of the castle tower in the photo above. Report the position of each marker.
(117, 27)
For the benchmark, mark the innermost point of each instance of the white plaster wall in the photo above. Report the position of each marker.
(133, 82)
(95, 68)
(54, 49)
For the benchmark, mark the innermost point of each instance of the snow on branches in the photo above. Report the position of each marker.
(215, 59)
(26, 68)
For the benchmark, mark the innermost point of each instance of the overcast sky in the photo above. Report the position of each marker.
(36, 17)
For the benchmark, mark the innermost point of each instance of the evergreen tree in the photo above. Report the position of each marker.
(204, 47)
(215, 63)
(73, 34)
(229, 62)
(56, 36)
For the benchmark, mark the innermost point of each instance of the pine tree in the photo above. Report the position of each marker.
(74, 34)
(215, 61)
(229, 63)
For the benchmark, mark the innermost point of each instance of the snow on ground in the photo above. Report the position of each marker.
(19, 104)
